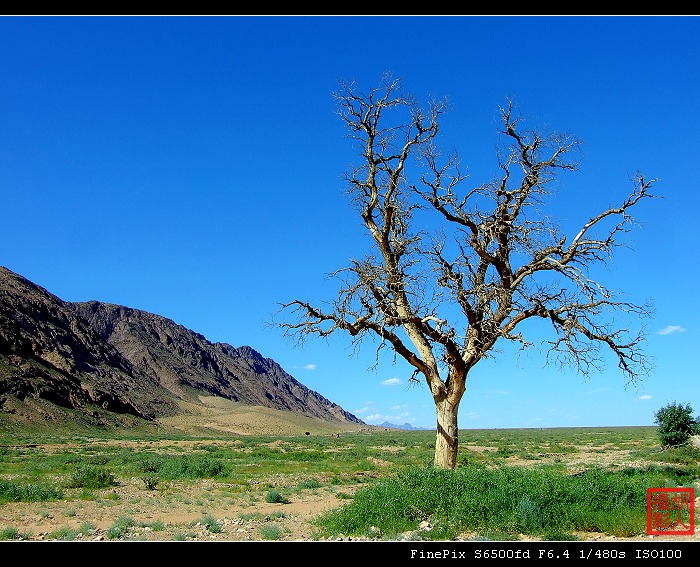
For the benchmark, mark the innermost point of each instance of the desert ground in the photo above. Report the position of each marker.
(180, 510)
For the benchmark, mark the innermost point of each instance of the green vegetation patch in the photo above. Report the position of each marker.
(395, 488)
(13, 492)
(543, 502)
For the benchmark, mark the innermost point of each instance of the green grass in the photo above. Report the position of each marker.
(63, 534)
(275, 497)
(90, 477)
(539, 502)
(11, 491)
(310, 483)
(210, 523)
(121, 527)
(315, 458)
(394, 485)
(270, 532)
(71, 534)
(246, 458)
(10, 533)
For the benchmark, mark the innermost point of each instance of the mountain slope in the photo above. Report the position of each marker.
(188, 365)
(48, 353)
(101, 361)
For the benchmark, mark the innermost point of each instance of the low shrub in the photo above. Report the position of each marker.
(275, 497)
(92, 477)
(676, 424)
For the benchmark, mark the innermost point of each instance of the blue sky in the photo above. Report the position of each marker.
(192, 167)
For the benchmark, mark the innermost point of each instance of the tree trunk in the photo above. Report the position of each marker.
(447, 436)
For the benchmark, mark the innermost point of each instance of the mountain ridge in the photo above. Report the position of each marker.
(102, 361)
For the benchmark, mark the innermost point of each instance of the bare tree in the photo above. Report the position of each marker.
(441, 299)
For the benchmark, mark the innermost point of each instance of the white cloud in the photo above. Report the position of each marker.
(360, 411)
(671, 329)
(310, 367)
(391, 382)
(645, 397)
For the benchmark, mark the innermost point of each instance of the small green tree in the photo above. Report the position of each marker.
(676, 424)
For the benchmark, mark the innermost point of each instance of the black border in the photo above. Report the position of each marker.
(325, 552)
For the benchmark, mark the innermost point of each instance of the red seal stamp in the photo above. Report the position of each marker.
(670, 511)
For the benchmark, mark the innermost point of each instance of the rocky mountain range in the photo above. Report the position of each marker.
(104, 363)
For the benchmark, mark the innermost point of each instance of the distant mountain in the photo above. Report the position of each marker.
(102, 360)
(406, 426)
